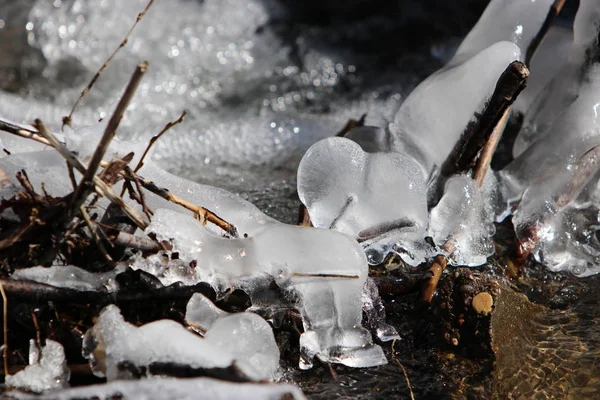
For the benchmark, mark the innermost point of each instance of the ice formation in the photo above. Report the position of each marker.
(381, 197)
(68, 276)
(245, 339)
(302, 262)
(517, 21)
(553, 179)
(548, 107)
(47, 370)
(174, 389)
(453, 95)
(365, 195)
(201, 313)
(464, 220)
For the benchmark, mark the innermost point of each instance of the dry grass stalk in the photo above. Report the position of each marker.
(5, 326)
(86, 186)
(154, 138)
(68, 119)
(203, 214)
(92, 228)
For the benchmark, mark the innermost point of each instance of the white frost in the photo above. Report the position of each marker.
(166, 341)
(46, 371)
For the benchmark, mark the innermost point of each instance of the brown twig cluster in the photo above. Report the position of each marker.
(51, 227)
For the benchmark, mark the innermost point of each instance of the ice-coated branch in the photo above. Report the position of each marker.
(535, 42)
(464, 154)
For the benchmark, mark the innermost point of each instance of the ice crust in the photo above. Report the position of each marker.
(158, 388)
(245, 339)
(71, 277)
(201, 313)
(46, 370)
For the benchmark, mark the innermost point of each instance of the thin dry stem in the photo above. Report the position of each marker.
(154, 138)
(430, 286)
(136, 242)
(68, 119)
(94, 233)
(85, 186)
(5, 327)
(485, 159)
(202, 213)
(24, 131)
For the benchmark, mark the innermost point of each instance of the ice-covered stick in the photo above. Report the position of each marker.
(535, 42)
(464, 154)
(580, 174)
(494, 118)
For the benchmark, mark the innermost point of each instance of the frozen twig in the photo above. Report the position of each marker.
(550, 17)
(481, 140)
(586, 167)
(351, 124)
(154, 138)
(303, 216)
(68, 119)
(487, 153)
(86, 185)
(465, 153)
